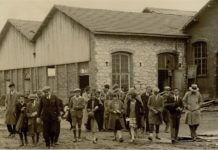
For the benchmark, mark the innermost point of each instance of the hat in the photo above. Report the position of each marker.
(32, 96)
(131, 91)
(115, 86)
(21, 95)
(194, 87)
(76, 90)
(11, 84)
(167, 88)
(46, 88)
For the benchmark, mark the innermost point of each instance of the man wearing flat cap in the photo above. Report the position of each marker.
(10, 104)
(192, 103)
(49, 111)
(76, 106)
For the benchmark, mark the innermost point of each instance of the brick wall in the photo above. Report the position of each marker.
(144, 50)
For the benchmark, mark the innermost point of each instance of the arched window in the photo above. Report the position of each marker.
(121, 69)
(200, 56)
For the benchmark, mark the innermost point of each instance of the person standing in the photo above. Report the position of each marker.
(133, 115)
(49, 111)
(155, 106)
(22, 120)
(166, 116)
(145, 96)
(86, 97)
(175, 108)
(93, 106)
(10, 104)
(116, 121)
(34, 128)
(192, 103)
(76, 106)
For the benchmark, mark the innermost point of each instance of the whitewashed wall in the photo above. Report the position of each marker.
(15, 51)
(62, 41)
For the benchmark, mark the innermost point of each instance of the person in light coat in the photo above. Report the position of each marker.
(155, 106)
(192, 103)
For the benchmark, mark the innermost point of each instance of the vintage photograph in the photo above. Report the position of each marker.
(109, 74)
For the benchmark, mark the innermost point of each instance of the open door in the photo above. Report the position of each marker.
(83, 81)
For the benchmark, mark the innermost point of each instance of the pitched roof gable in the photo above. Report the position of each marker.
(117, 22)
(26, 28)
(195, 17)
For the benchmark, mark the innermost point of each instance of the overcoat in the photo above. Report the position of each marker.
(192, 103)
(96, 113)
(33, 126)
(21, 117)
(114, 116)
(139, 112)
(155, 102)
(10, 103)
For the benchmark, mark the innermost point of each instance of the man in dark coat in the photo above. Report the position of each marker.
(49, 111)
(175, 107)
(61, 108)
(145, 96)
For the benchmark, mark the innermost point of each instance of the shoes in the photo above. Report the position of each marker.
(132, 141)
(114, 139)
(158, 138)
(79, 139)
(74, 140)
(121, 140)
(56, 143)
(21, 145)
(150, 138)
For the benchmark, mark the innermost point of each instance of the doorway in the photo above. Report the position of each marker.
(83, 81)
(164, 79)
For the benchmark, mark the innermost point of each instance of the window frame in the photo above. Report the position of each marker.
(200, 57)
(120, 73)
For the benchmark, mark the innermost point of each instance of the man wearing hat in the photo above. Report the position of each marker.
(192, 103)
(76, 106)
(34, 128)
(10, 104)
(49, 111)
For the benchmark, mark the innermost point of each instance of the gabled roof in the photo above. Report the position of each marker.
(168, 11)
(26, 28)
(205, 7)
(101, 21)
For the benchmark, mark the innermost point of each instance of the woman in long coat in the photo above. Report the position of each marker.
(93, 110)
(192, 102)
(116, 120)
(155, 106)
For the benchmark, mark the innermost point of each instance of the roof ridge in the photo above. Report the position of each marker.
(172, 9)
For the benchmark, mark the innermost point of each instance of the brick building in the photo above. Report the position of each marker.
(76, 47)
(203, 48)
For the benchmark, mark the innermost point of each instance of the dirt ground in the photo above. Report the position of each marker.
(208, 125)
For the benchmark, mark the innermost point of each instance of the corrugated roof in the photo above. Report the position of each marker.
(27, 28)
(118, 22)
(169, 11)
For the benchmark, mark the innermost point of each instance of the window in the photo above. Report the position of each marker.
(51, 71)
(200, 56)
(167, 61)
(121, 69)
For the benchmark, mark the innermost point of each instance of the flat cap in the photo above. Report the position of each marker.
(32, 96)
(46, 88)
(77, 90)
(11, 84)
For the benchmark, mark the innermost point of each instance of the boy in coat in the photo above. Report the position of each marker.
(34, 127)
(76, 106)
(22, 120)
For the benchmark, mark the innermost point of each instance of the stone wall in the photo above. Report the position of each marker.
(144, 51)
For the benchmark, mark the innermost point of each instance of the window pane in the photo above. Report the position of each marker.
(115, 79)
(124, 64)
(124, 81)
(115, 64)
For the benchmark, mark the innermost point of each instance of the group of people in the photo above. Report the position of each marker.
(110, 109)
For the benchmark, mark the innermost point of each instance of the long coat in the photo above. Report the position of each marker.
(96, 113)
(33, 126)
(21, 117)
(155, 103)
(10, 102)
(139, 112)
(192, 102)
(114, 116)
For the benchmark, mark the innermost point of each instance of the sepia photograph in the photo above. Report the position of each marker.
(109, 74)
